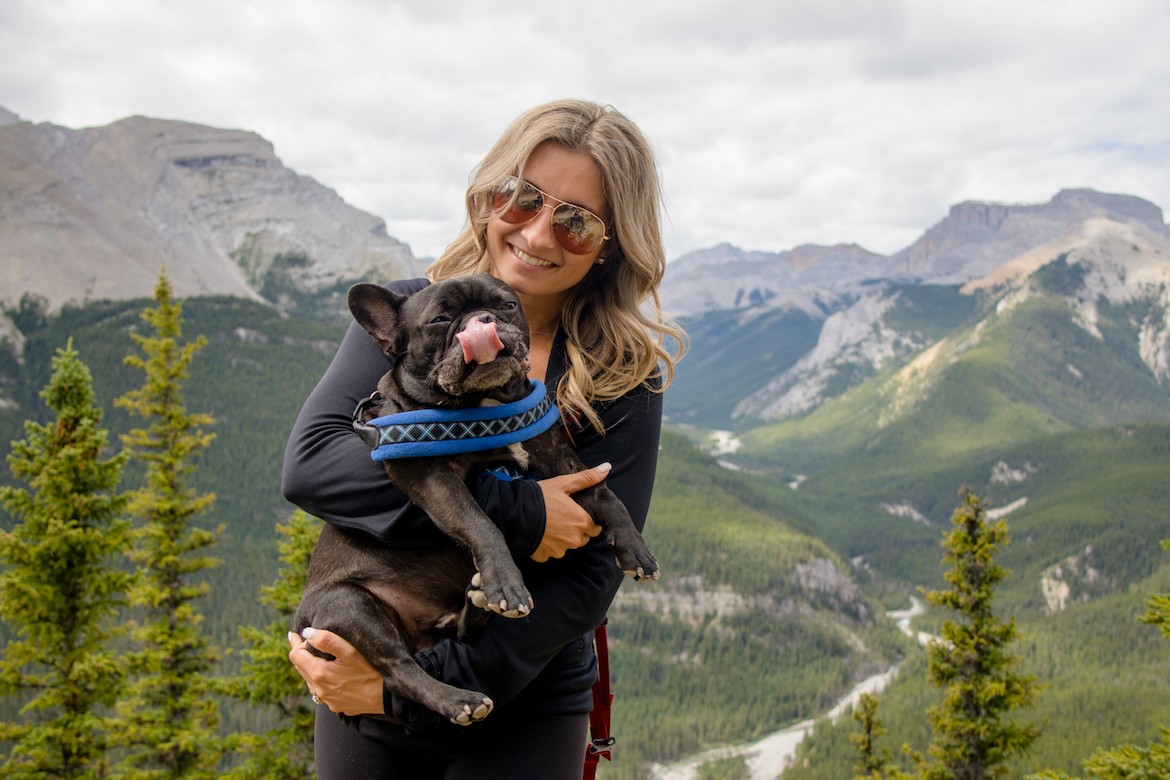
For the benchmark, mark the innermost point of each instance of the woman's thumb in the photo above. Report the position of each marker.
(590, 477)
(323, 641)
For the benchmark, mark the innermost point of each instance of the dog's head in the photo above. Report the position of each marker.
(455, 342)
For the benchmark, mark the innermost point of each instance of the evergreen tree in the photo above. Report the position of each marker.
(169, 711)
(267, 678)
(973, 733)
(871, 763)
(60, 586)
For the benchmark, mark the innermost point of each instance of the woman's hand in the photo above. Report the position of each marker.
(348, 684)
(567, 526)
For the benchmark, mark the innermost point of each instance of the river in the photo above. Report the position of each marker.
(769, 756)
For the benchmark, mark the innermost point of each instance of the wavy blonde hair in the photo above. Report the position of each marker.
(617, 335)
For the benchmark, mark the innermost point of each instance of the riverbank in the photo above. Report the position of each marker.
(768, 757)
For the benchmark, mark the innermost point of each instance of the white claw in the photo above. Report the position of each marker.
(476, 580)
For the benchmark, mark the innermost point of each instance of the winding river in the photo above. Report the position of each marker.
(769, 756)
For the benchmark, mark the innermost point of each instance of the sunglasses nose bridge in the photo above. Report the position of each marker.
(539, 229)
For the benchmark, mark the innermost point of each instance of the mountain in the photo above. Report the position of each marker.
(827, 330)
(93, 214)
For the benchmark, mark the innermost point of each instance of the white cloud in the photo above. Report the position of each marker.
(776, 124)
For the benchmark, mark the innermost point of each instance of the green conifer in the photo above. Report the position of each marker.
(973, 731)
(169, 711)
(60, 586)
(871, 762)
(267, 679)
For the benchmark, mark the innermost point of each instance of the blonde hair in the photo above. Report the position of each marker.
(617, 335)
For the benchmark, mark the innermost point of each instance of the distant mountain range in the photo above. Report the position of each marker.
(1023, 350)
(824, 319)
(94, 214)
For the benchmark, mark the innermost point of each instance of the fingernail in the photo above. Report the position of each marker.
(292, 637)
(308, 633)
(605, 467)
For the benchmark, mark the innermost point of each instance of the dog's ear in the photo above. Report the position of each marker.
(376, 309)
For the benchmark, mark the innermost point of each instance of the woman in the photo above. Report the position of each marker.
(584, 268)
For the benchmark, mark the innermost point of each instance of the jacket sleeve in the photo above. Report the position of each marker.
(572, 595)
(328, 471)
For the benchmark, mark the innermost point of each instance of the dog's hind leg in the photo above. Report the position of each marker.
(365, 621)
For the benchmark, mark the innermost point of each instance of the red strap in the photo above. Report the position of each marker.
(601, 741)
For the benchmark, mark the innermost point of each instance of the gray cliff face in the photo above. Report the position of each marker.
(975, 238)
(1116, 247)
(96, 213)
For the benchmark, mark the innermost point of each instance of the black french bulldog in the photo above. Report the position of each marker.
(456, 344)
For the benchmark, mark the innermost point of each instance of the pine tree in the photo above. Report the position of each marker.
(169, 711)
(267, 678)
(60, 586)
(871, 762)
(973, 733)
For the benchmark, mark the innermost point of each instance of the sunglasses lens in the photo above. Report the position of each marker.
(515, 207)
(576, 229)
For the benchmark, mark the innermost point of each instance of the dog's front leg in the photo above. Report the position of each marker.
(439, 489)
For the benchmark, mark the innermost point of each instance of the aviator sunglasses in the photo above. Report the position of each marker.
(577, 229)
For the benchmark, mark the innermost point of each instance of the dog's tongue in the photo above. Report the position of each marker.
(480, 342)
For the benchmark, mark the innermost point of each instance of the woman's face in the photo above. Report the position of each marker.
(527, 256)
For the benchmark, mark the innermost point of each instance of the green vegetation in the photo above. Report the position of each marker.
(167, 715)
(729, 646)
(708, 526)
(740, 349)
(60, 589)
(267, 680)
(974, 728)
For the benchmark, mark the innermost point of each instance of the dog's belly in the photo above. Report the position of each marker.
(427, 592)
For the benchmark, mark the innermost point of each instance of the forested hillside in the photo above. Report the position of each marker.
(754, 624)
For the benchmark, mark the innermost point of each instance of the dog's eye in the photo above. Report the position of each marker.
(441, 319)
(510, 306)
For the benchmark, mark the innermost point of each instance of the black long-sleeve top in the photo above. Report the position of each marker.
(543, 662)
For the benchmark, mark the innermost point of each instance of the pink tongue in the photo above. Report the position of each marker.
(480, 342)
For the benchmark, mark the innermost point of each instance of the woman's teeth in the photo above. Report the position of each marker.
(528, 259)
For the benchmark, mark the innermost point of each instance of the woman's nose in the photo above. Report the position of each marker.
(538, 231)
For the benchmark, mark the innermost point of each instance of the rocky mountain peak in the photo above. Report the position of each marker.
(96, 213)
(975, 237)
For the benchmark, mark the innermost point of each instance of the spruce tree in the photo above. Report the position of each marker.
(268, 680)
(871, 762)
(973, 731)
(60, 585)
(169, 711)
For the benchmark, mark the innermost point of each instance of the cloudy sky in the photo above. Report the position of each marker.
(776, 122)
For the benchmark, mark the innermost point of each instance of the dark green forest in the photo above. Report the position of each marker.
(687, 683)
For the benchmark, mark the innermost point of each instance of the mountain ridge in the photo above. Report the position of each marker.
(94, 214)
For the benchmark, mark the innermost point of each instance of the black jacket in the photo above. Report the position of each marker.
(543, 662)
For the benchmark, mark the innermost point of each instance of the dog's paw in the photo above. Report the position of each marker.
(516, 607)
(636, 561)
(473, 711)
(640, 574)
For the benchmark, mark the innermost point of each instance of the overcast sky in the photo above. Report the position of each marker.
(776, 122)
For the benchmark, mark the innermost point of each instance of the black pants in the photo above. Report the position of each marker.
(508, 747)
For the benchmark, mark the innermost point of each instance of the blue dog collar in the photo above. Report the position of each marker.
(423, 433)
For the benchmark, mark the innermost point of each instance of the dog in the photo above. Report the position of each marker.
(458, 344)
